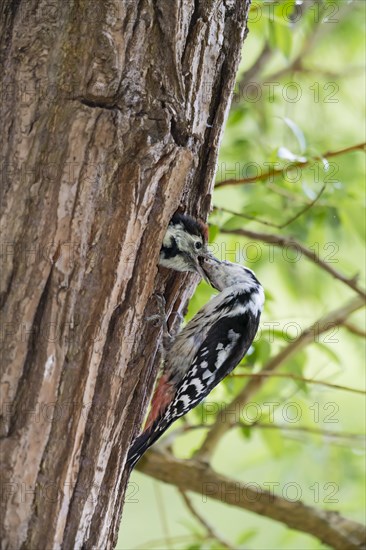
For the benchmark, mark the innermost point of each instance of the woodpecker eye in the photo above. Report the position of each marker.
(198, 245)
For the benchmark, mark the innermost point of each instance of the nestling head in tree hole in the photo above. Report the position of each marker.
(184, 243)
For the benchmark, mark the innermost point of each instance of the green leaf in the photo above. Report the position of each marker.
(332, 354)
(236, 116)
(310, 193)
(246, 431)
(269, 295)
(234, 223)
(246, 536)
(213, 231)
(296, 365)
(284, 153)
(297, 132)
(274, 441)
(280, 32)
(284, 38)
(263, 349)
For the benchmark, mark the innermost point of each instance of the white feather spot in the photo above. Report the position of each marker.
(198, 384)
(185, 399)
(257, 301)
(206, 374)
(225, 352)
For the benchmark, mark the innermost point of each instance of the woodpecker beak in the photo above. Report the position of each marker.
(201, 272)
(196, 266)
(209, 258)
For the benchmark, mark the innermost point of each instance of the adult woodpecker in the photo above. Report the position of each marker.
(208, 348)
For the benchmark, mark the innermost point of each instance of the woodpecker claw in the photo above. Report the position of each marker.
(161, 318)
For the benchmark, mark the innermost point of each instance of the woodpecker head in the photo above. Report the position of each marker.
(222, 274)
(184, 242)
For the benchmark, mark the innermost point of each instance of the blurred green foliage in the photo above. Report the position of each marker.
(299, 95)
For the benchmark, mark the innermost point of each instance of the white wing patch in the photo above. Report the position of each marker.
(257, 301)
(208, 375)
(198, 384)
(224, 352)
(185, 399)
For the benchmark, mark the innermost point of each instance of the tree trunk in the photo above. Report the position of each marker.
(111, 117)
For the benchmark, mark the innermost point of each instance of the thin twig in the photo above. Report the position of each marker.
(334, 318)
(300, 378)
(245, 216)
(271, 224)
(210, 530)
(284, 242)
(289, 427)
(305, 209)
(293, 197)
(304, 429)
(355, 330)
(279, 171)
(162, 512)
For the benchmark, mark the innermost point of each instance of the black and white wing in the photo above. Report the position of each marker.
(227, 342)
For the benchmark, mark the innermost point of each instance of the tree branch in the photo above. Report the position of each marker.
(332, 319)
(283, 242)
(300, 378)
(266, 53)
(279, 171)
(252, 72)
(297, 64)
(327, 526)
(211, 532)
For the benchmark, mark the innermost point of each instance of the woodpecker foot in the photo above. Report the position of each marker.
(161, 318)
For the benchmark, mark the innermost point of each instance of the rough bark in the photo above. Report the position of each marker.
(111, 117)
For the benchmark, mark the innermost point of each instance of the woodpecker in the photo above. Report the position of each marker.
(184, 242)
(207, 349)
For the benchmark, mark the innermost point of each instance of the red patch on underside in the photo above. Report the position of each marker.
(163, 396)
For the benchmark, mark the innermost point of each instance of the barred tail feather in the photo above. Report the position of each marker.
(145, 440)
